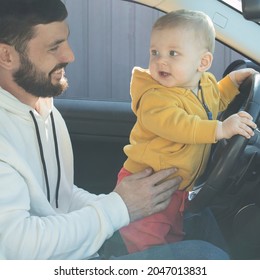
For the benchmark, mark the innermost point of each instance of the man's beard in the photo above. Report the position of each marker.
(35, 81)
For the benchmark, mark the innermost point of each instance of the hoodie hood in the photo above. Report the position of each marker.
(11, 104)
(141, 82)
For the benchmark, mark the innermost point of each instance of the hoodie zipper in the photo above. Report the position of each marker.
(203, 103)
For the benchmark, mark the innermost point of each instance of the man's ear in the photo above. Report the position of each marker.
(205, 62)
(6, 56)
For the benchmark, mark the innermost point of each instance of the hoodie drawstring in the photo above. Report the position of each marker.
(43, 159)
(57, 159)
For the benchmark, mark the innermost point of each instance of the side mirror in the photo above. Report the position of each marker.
(251, 10)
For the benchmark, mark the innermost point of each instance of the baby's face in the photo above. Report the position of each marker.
(175, 57)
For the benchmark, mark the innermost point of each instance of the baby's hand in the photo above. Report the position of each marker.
(239, 76)
(240, 123)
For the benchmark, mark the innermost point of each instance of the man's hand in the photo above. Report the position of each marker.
(144, 193)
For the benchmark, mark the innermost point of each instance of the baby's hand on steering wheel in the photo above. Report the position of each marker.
(240, 123)
(238, 76)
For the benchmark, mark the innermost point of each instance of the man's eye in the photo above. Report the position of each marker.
(154, 52)
(54, 49)
(172, 53)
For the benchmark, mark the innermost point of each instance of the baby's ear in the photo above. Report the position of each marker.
(205, 62)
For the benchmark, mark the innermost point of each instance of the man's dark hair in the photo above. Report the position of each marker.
(18, 18)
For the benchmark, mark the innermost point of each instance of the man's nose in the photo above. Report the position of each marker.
(67, 54)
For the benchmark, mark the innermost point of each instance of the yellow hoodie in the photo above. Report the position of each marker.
(172, 127)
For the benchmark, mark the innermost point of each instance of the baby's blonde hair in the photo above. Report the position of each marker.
(197, 21)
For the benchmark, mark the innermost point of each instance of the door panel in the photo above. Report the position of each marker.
(98, 130)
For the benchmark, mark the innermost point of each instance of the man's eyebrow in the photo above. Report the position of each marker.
(59, 41)
(55, 43)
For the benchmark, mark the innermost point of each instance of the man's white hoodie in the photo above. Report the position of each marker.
(61, 221)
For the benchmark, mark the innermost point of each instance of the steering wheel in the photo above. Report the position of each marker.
(230, 153)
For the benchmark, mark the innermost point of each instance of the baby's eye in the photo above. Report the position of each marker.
(172, 53)
(154, 52)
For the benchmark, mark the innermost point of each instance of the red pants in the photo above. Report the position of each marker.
(160, 228)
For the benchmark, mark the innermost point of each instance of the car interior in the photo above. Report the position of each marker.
(100, 128)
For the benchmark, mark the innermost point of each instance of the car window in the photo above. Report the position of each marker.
(237, 4)
(109, 38)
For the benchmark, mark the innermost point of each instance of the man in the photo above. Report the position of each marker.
(43, 215)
